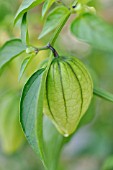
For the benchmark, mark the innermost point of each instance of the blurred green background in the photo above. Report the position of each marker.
(91, 148)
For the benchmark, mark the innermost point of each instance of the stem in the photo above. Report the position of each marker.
(53, 50)
(41, 49)
(103, 94)
(57, 32)
(46, 48)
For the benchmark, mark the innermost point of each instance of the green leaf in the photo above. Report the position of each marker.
(54, 19)
(103, 94)
(10, 50)
(23, 67)
(31, 108)
(47, 4)
(25, 6)
(24, 30)
(94, 31)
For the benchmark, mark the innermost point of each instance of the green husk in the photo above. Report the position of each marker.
(68, 93)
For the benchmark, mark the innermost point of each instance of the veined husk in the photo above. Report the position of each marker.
(68, 93)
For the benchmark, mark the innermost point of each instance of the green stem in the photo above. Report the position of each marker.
(41, 49)
(58, 30)
(46, 48)
(103, 94)
(53, 50)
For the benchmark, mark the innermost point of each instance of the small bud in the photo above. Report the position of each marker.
(30, 50)
(91, 10)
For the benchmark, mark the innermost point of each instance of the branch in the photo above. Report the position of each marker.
(103, 94)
